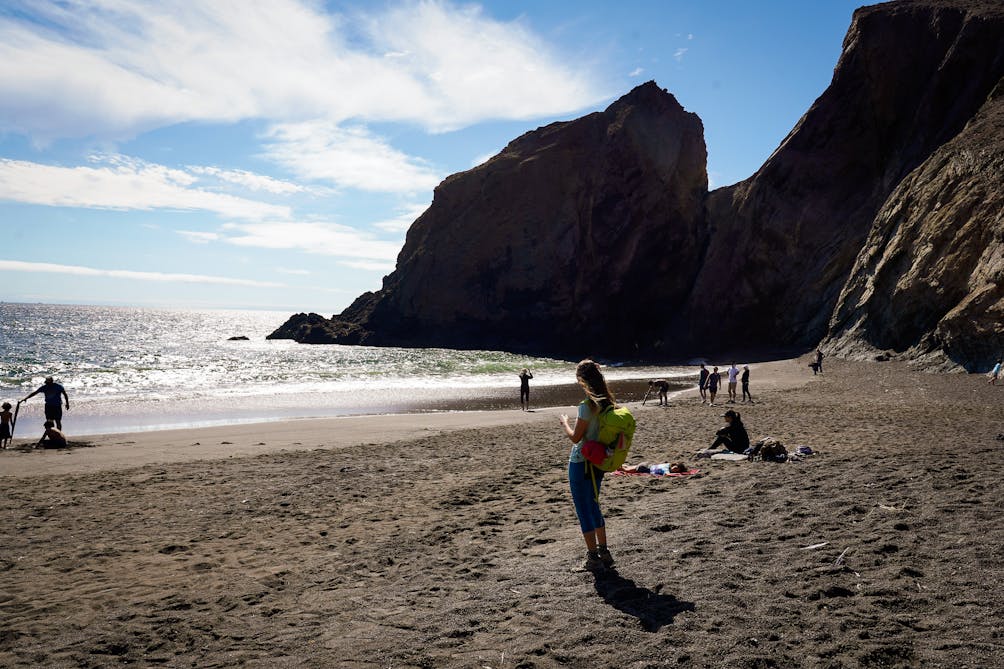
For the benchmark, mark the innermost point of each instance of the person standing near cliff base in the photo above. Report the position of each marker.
(995, 374)
(524, 389)
(819, 361)
(584, 496)
(733, 380)
(702, 383)
(54, 393)
(745, 378)
(714, 380)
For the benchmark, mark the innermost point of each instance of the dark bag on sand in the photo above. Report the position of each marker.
(768, 450)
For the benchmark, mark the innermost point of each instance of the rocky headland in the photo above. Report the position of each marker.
(876, 226)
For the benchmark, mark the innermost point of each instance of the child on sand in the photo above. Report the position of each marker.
(6, 420)
(51, 438)
(587, 506)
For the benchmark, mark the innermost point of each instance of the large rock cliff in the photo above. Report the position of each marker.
(929, 283)
(598, 235)
(549, 246)
(783, 242)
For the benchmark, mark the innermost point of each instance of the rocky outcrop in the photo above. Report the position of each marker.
(552, 245)
(597, 236)
(783, 242)
(929, 284)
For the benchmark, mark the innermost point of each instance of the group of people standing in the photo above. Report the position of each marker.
(53, 436)
(709, 384)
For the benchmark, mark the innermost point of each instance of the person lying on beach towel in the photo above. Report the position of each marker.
(662, 469)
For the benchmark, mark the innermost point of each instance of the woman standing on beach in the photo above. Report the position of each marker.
(584, 497)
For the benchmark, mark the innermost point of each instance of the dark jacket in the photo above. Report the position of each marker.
(735, 436)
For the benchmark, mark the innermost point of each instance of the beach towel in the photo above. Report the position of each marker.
(621, 472)
(729, 456)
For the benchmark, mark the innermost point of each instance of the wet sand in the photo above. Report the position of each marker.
(459, 548)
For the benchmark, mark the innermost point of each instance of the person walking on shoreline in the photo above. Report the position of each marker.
(995, 374)
(584, 496)
(702, 384)
(733, 380)
(524, 389)
(54, 393)
(745, 378)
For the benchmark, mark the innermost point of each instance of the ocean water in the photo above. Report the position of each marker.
(129, 369)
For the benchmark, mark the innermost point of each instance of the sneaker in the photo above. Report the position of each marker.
(605, 557)
(593, 562)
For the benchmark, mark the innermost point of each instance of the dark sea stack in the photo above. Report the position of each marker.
(238, 338)
(306, 329)
(784, 241)
(571, 240)
(929, 283)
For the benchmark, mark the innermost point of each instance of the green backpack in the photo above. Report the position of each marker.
(613, 441)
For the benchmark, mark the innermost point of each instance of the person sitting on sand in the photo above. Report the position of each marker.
(702, 383)
(662, 386)
(714, 380)
(53, 393)
(733, 436)
(994, 374)
(524, 389)
(6, 423)
(585, 499)
(52, 437)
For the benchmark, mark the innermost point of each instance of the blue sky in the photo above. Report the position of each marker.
(272, 156)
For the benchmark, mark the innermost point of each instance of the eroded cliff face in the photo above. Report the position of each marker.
(783, 242)
(568, 241)
(598, 236)
(929, 283)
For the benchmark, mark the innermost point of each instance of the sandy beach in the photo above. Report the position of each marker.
(449, 539)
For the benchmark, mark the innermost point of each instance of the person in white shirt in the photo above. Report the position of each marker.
(733, 379)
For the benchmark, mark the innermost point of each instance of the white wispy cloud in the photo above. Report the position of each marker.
(404, 219)
(78, 270)
(636, 72)
(199, 237)
(346, 156)
(680, 53)
(118, 182)
(331, 239)
(119, 67)
(248, 180)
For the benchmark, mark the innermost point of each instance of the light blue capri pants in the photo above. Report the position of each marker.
(586, 506)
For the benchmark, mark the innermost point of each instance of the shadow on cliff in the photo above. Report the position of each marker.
(652, 608)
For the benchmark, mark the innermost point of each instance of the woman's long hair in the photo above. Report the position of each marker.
(589, 375)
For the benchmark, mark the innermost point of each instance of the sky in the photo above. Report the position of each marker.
(272, 155)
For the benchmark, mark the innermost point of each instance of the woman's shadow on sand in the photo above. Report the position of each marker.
(652, 608)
